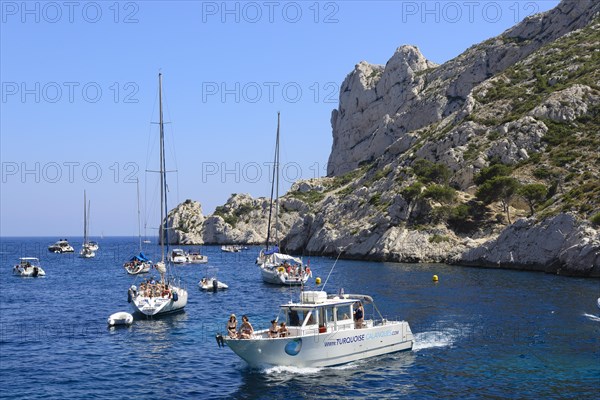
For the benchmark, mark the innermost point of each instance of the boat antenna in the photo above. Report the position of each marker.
(336, 260)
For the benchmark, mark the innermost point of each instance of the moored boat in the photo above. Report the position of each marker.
(61, 246)
(178, 256)
(29, 267)
(320, 331)
(120, 318)
(166, 295)
(196, 258)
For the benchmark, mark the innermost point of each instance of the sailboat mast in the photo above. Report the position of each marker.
(162, 171)
(84, 219)
(277, 184)
(137, 186)
(87, 225)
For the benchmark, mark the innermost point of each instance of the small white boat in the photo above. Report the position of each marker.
(230, 248)
(178, 256)
(196, 258)
(120, 318)
(321, 332)
(93, 246)
(61, 246)
(210, 281)
(139, 264)
(209, 284)
(28, 267)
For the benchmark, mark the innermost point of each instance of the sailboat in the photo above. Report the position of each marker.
(138, 264)
(275, 267)
(87, 249)
(165, 295)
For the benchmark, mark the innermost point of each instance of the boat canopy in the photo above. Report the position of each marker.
(279, 258)
(140, 257)
(29, 259)
(273, 250)
(361, 297)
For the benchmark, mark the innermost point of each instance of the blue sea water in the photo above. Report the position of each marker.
(479, 333)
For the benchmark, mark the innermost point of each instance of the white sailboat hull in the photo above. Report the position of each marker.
(137, 269)
(325, 349)
(152, 306)
(277, 277)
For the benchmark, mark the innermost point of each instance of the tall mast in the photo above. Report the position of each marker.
(273, 181)
(277, 185)
(87, 225)
(137, 186)
(162, 171)
(84, 220)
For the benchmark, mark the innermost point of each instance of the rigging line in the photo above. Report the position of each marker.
(331, 270)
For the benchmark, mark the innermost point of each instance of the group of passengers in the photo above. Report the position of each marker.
(246, 330)
(152, 288)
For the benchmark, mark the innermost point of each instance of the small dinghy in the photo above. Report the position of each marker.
(210, 283)
(28, 267)
(120, 318)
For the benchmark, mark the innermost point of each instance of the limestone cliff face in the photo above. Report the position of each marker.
(411, 137)
(381, 105)
(556, 244)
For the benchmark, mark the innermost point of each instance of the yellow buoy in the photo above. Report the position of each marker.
(318, 281)
(435, 278)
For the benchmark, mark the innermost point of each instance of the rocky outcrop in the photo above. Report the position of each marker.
(561, 245)
(410, 142)
(185, 222)
(379, 105)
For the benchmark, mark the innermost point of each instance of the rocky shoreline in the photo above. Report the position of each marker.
(488, 160)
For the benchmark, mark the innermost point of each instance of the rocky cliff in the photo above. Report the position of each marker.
(381, 104)
(434, 163)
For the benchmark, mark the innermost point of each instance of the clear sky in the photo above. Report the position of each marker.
(79, 93)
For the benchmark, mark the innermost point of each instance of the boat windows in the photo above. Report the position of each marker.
(343, 312)
(293, 318)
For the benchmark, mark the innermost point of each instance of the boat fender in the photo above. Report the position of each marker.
(175, 296)
(215, 285)
(35, 271)
(280, 269)
(129, 295)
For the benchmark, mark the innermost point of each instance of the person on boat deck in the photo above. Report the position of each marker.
(246, 330)
(274, 329)
(232, 327)
(283, 331)
(359, 316)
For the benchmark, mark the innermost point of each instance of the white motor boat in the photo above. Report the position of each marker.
(120, 318)
(178, 256)
(61, 246)
(29, 267)
(321, 332)
(93, 245)
(230, 248)
(196, 258)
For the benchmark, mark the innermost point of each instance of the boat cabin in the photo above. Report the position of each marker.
(318, 313)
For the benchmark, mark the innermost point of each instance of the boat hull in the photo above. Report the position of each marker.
(275, 277)
(325, 349)
(153, 306)
(31, 272)
(120, 318)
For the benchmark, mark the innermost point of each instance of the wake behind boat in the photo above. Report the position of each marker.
(321, 332)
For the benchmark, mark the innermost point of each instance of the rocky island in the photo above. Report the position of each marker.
(491, 159)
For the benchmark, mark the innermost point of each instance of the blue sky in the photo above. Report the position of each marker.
(79, 93)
